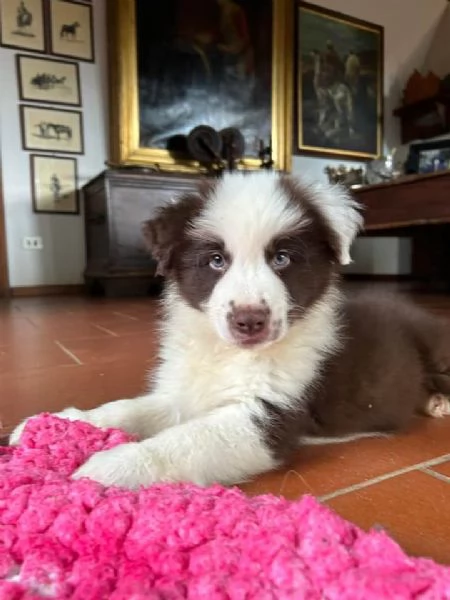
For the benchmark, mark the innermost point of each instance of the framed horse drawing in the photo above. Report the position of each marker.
(51, 129)
(339, 84)
(178, 64)
(71, 30)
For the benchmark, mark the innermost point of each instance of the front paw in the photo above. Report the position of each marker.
(72, 414)
(14, 437)
(128, 466)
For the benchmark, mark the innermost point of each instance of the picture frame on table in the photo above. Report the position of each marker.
(52, 129)
(22, 25)
(428, 157)
(339, 65)
(54, 184)
(48, 81)
(71, 30)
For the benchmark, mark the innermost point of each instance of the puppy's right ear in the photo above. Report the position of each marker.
(166, 231)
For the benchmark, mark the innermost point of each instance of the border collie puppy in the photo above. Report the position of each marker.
(260, 350)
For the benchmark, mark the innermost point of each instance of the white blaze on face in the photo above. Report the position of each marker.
(247, 213)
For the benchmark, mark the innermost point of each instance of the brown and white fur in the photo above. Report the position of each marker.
(261, 351)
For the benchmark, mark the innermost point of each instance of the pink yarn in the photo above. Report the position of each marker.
(76, 539)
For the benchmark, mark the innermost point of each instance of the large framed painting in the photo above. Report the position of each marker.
(179, 64)
(339, 84)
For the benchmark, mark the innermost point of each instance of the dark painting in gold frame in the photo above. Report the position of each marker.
(339, 84)
(142, 89)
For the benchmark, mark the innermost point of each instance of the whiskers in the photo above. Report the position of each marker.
(296, 312)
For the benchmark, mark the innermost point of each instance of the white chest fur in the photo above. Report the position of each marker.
(200, 372)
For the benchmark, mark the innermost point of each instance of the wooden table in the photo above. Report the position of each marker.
(418, 207)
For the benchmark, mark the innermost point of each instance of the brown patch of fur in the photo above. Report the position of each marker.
(380, 379)
(167, 230)
(311, 268)
(194, 276)
(282, 427)
(181, 257)
(299, 196)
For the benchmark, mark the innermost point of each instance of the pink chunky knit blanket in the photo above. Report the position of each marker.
(76, 539)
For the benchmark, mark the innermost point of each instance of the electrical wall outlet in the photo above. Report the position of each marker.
(33, 242)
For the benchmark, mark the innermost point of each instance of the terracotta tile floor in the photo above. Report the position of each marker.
(79, 351)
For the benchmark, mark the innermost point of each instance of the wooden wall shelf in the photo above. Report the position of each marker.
(425, 112)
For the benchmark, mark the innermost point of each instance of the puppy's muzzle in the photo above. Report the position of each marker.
(249, 325)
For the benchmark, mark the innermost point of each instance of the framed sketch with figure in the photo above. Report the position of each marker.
(178, 64)
(339, 88)
(54, 184)
(71, 30)
(22, 24)
(48, 81)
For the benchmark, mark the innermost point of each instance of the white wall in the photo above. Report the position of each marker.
(62, 260)
(409, 26)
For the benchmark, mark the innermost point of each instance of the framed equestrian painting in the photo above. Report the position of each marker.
(339, 84)
(51, 129)
(22, 24)
(48, 81)
(179, 64)
(54, 184)
(71, 30)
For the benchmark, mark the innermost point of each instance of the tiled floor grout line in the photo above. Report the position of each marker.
(369, 482)
(435, 474)
(105, 330)
(68, 352)
(119, 314)
(31, 322)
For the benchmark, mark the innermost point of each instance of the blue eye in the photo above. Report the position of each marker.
(217, 261)
(281, 260)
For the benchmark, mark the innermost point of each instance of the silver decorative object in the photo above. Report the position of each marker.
(383, 169)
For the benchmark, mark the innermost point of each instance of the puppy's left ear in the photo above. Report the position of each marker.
(341, 214)
(166, 231)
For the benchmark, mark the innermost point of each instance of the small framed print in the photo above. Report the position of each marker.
(48, 81)
(51, 129)
(22, 24)
(54, 184)
(71, 30)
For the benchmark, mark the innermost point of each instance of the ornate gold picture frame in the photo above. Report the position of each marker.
(339, 72)
(131, 144)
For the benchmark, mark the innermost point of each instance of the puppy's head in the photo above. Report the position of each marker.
(254, 251)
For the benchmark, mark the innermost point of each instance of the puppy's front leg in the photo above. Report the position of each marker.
(143, 416)
(225, 446)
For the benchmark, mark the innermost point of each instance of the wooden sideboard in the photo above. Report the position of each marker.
(116, 203)
(418, 207)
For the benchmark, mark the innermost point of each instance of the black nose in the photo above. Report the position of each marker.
(249, 321)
